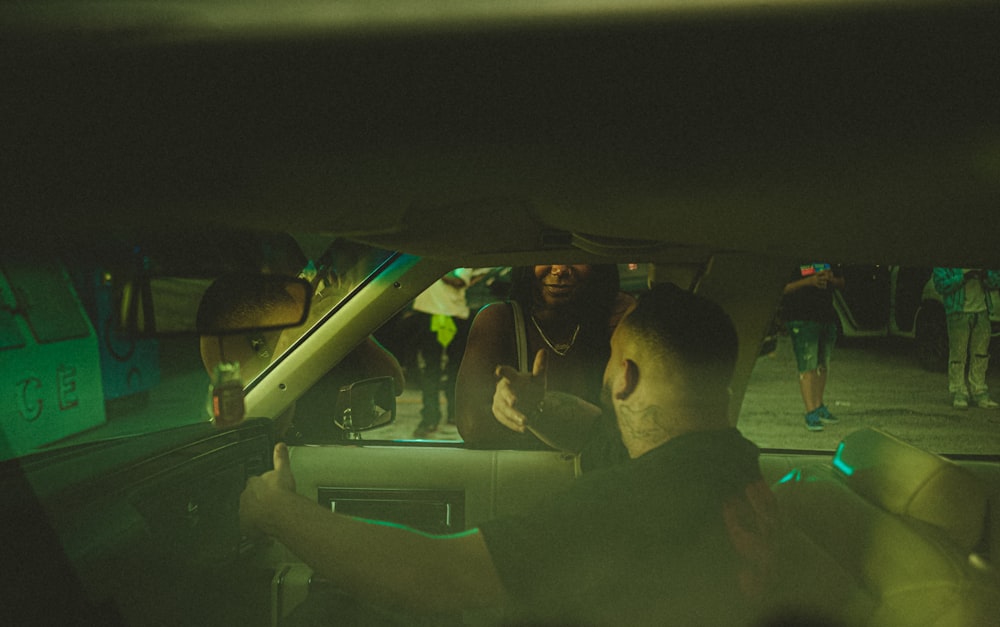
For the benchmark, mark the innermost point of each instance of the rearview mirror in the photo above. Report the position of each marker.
(366, 404)
(232, 304)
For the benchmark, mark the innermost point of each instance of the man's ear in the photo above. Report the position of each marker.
(629, 380)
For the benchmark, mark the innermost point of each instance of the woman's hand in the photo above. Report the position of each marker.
(518, 394)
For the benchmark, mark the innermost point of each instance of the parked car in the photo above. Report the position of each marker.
(713, 144)
(895, 301)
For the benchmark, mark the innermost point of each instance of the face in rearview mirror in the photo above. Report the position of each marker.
(240, 318)
(367, 404)
(236, 303)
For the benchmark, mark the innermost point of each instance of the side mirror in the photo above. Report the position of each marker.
(367, 404)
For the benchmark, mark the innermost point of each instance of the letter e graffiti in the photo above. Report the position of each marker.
(67, 388)
(31, 400)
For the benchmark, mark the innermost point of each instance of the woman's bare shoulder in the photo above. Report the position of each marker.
(494, 316)
(492, 332)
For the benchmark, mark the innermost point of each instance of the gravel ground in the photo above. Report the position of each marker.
(872, 383)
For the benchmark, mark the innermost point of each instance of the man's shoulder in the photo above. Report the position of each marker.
(706, 456)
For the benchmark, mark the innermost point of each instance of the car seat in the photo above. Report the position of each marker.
(885, 534)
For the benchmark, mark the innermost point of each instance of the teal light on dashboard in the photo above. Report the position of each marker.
(436, 536)
(794, 475)
(840, 464)
(461, 534)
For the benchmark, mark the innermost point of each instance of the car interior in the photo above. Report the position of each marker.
(716, 143)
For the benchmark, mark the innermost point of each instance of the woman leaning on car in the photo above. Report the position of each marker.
(566, 311)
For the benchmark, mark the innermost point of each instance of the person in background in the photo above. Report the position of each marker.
(807, 308)
(441, 321)
(494, 286)
(968, 303)
(565, 315)
(679, 533)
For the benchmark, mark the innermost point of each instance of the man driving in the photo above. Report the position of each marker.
(679, 531)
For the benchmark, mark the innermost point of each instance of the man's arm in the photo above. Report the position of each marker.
(819, 280)
(375, 562)
(376, 361)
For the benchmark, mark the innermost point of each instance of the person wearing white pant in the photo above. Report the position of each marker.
(968, 302)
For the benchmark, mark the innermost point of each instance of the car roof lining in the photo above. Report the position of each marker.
(843, 128)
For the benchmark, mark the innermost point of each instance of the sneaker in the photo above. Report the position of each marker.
(960, 401)
(985, 402)
(813, 421)
(825, 415)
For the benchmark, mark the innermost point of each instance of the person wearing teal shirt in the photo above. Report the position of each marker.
(967, 294)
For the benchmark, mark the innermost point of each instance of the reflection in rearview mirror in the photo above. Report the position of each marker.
(367, 404)
(234, 303)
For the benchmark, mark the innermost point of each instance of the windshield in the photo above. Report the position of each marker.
(75, 375)
(77, 378)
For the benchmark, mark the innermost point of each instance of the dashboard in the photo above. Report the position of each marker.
(137, 531)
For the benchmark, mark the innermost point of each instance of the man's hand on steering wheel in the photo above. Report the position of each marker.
(260, 490)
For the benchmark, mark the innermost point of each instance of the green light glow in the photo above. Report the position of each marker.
(840, 464)
(795, 475)
(435, 536)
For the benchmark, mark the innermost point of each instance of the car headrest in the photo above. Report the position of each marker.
(912, 482)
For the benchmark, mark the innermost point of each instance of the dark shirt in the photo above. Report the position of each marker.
(808, 303)
(604, 447)
(641, 542)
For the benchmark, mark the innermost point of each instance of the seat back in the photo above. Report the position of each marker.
(883, 535)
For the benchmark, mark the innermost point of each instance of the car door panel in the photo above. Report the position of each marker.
(491, 483)
(139, 531)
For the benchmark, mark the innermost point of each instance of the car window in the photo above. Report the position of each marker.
(889, 370)
(889, 319)
(408, 336)
(75, 376)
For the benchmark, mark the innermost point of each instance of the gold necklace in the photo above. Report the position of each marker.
(558, 349)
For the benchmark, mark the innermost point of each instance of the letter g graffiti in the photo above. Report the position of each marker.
(31, 399)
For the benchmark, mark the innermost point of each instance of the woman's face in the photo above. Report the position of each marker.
(558, 284)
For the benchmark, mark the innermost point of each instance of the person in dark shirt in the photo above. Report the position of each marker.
(677, 534)
(807, 308)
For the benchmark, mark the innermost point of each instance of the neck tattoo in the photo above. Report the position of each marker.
(558, 349)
